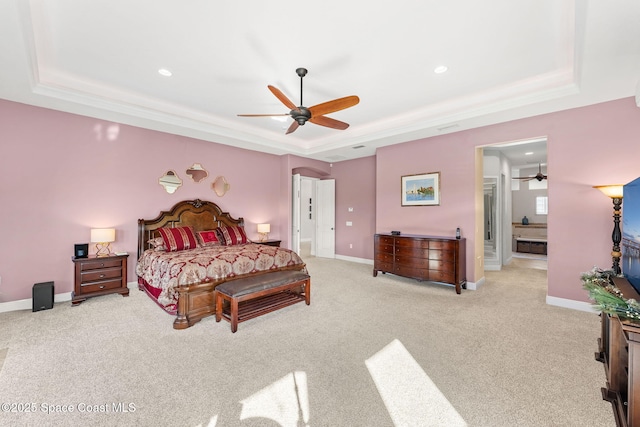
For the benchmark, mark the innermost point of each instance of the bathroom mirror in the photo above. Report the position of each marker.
(170, 181)
(197, 172)
(490, 200)
(220, 186)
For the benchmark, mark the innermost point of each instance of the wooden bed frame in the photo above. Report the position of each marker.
(196, 301)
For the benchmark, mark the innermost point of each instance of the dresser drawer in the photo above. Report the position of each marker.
(441, 276)
(386, 240)
(442, 244)
(383, 266)
(416, 262)
(440, 265)
(98, 264)
(100, 286)
(408, 251)
(415, 273)
(95, 275)
(384, 257)
(447, 256)
(385, 248)
(412, 243)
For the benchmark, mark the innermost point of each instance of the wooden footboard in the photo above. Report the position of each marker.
(195, 303)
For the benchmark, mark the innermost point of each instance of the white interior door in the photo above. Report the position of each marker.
(295, 214)
(326, 218)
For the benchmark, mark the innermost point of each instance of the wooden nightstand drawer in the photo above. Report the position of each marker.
(101, 286)
(99, 263)
(105, 274)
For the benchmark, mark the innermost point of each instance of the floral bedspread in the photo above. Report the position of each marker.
(162, 272)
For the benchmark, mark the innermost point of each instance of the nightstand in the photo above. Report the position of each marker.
(269, 242)
(95, 276)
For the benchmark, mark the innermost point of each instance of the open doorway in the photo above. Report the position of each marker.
(515, 224)
(313, 203)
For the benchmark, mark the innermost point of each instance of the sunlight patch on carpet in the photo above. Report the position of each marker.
(410, 396)
(285, 401)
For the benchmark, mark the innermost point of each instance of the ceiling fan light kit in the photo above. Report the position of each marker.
(315, 114)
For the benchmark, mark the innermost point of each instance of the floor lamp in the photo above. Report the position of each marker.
(615, 192)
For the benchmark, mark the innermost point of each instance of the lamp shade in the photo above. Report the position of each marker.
(103, 235)
(613, 191)
(264, 228)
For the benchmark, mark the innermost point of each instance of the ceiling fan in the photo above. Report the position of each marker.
(315, 114)
(539, 176)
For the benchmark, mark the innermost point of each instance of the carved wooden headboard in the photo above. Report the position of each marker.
(199, 214)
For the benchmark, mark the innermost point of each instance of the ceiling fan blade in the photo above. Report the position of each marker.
(335, 105)
(262, 115)
(292, 128)
(281, 96)
(329, 122)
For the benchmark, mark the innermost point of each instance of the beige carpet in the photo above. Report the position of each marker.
(369, 351)
(3, 355)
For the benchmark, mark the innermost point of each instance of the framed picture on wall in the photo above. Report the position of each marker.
(421, 189)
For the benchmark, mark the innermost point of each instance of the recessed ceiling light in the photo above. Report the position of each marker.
(440, 69)
(165, 72)
(528, 153)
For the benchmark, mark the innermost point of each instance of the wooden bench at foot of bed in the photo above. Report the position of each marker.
(243, 299)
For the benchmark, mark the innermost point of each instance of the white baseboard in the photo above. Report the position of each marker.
(569, 303)
(27, 304)
(474, 286)
(354, 259)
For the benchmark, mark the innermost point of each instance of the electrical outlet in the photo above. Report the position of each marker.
(349, 223)
(350, 209)
(350, 245)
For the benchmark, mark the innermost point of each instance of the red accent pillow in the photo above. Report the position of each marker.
(178, 238)
(208, 238)
(233, 235)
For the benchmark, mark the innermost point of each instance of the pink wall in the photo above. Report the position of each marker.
(61, 176)
(588, 146)
(355, 188)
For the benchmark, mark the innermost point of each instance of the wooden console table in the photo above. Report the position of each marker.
(433, 258)
(619, 351)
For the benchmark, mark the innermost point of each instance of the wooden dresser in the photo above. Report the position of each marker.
(433, 258)
(619, 351)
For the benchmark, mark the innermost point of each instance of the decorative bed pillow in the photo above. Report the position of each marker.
(208, 238)
(178, 238)
(233, 235)
(157, 243)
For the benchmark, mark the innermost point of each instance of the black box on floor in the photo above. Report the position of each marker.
(42, 296)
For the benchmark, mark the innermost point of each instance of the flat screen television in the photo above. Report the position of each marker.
(630, 245)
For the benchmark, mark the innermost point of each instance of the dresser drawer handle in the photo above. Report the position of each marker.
(101, 276)
(102, 264)
(101, 286)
